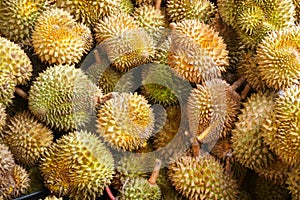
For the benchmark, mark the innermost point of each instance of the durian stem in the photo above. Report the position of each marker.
(157, 4)
(238, 83)
(101, 100)
(245, 91)
(97, 56)
(21, 93)
(155, 173)
(108, 191)
(195, 148)
(172, 26)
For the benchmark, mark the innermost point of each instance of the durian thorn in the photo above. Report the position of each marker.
(21, 93)
(108, 191)
(97, 56)
(155, 173)
(238, 83)
(195, 147)
(245, 91)
(157, 4)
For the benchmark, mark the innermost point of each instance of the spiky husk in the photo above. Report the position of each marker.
(55, 38)
(201, 10)
(86, 35)
(297, 10)
(125, 121)
(14, 60)
(14, 183)
(140, 188)
(63, 97)
(17, 18)
(281, 130)
(201, 178)
(27, 138)
(162, 86)
(2, 117)
(293, 182)
(126, 6)
(253, 19)
(213, 105)
(7, 161)
(247, 140)
(277, 58)
(88, 12)
(52, 197)
(78, 165)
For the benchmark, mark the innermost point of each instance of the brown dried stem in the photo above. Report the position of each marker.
(97, 56)
(155, 173)
(195, 148)
(108, 191)
(245, 91)
(157, 4)
(238, 83)
(21, 93)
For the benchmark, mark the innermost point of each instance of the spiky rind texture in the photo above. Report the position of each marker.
(108, 79)
(202, 10)
(293, 182)
(144, 2)
(52, 197)
(281, 130)
(17, 18)
(126, 6)
(161, 51)
(78, 165)
(2, 117)
(297, 9)
(88, 12)
(278, 58)
(14, 183)
(63, 97)
(253, 19)
(140, 188)
(201, 178)
(7, 87)
(189, 32)
(214, 104)
(162, 86)
(14, 60)
(27, 138)
(247, 140)
(86, 35)
(125, 121)
(55, 39)
(276, 172)
(7, 161)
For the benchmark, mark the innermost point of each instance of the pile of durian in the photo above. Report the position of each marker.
(214, 112)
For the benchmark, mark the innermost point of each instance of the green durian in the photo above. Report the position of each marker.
(247, 137)
(27, 138)
(63, 97)
(77, 165)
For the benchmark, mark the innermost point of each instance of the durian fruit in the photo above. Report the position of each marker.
(58, 39)
(162, 86)
(63, 97)
(27, 138)
(281, 131)
(247, 140)
(7, 161)
(126, 45)
(196, 51)
(17, 18)
(253, 19)
(86, 35)
(89, 12)
(214, 105)
(14, 183)
(125, 121)
(201, 177)
(141, 188)
(277, 58)
(53, 197)
(293, 182)
(14, 60)
(2, 117)
(202, 10)
(77, 165)
(276, 172)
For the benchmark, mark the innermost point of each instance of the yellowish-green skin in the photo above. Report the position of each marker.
(201, 178)
(17, 18)
(247, 136)
(63, 97)
(125, 121)
(281, 130)
(27, 138)
(78, 165)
